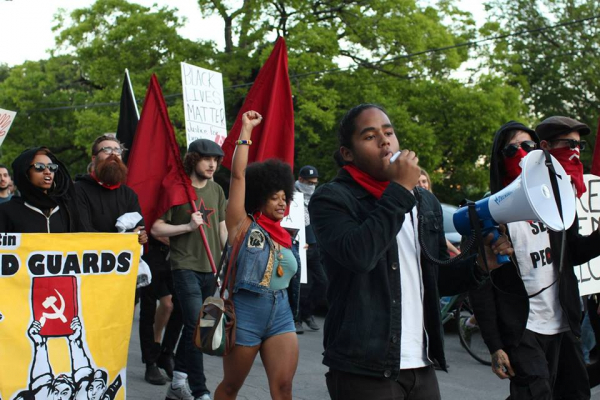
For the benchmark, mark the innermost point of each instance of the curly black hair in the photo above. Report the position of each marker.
(265, 178)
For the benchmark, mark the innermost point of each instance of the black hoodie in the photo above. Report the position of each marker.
(100, 207)
(497, 170)
(36, 211)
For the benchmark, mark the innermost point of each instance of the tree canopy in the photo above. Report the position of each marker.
(548, 53)
(403, 55)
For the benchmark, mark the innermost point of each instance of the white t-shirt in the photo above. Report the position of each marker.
(531, 243)
(413, 344)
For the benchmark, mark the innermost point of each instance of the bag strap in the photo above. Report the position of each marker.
(220, 266)
(229, 279)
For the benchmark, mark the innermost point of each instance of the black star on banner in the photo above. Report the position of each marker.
(206, 212)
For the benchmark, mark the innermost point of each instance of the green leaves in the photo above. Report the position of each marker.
(400, 54)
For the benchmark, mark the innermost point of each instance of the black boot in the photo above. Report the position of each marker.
(153, 375)
(166, 362)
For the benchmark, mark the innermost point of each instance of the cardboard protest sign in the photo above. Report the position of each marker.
(295, 221)
(6, 119)
(66, 309)
(204, 104)
(588, 212)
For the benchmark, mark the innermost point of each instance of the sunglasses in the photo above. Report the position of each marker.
(573, 144)
(510, 150)
(41, 167)
(111, 150)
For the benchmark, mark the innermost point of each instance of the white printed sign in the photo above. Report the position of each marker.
(204, 104)
(6, 119)
(295, 220)
(588, 212)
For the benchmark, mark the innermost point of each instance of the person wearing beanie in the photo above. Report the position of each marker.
(191, 271)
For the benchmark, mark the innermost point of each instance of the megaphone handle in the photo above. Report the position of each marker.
(500, 258)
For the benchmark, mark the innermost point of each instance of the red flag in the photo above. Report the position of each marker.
(596, 158)
(271, 97)
(156, 173)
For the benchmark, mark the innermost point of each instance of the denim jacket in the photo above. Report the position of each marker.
(356, 234)
(256, 264)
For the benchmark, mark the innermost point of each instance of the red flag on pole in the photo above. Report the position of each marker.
(271, 97)
(156, 173)
(596, 158)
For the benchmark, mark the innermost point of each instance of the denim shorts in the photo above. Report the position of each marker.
(261, 315)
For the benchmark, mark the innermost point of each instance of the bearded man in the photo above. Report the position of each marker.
(102, 195)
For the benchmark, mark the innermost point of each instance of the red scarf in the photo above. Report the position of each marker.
(569, 159)
(105, 185)
(275, 230)
(512, 166)
(365, 180)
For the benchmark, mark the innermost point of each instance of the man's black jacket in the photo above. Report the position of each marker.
(357, 238)
(502, 311)
(100, 207)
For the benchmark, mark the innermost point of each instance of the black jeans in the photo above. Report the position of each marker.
(411, 384)
(572, 381)
(148, 296)
(535, 362)
(191, 288)
(313, 291)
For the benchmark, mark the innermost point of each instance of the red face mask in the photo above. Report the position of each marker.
(569, 159)
(513, 167)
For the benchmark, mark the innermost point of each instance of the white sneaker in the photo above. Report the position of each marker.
(180, 393)
(205, 396)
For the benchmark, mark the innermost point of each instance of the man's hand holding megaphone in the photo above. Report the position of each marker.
(502, 246)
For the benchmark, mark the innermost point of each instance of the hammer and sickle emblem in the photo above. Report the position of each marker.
(50, 303)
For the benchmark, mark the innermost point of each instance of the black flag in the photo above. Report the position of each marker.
(128, 116)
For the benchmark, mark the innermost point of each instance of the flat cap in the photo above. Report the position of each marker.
(205, 147)
(557, 125)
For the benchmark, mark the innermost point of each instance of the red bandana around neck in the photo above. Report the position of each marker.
(105, 185)
(512, 166)
(275, 230)
(569, 159)
(365, 180)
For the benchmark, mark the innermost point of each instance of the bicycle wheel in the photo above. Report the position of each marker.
(470, 334)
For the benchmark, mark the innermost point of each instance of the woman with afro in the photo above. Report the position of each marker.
(267, 280)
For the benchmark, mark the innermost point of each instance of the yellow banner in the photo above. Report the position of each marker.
(66, 309)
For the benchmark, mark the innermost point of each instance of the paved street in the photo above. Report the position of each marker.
(466, 380)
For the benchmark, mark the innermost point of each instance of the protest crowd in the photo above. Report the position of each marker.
(224, 270)
(369, 225)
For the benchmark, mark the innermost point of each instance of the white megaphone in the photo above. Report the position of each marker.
(528, 198)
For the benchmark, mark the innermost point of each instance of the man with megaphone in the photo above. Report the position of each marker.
(530, 306)
(376, 232)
